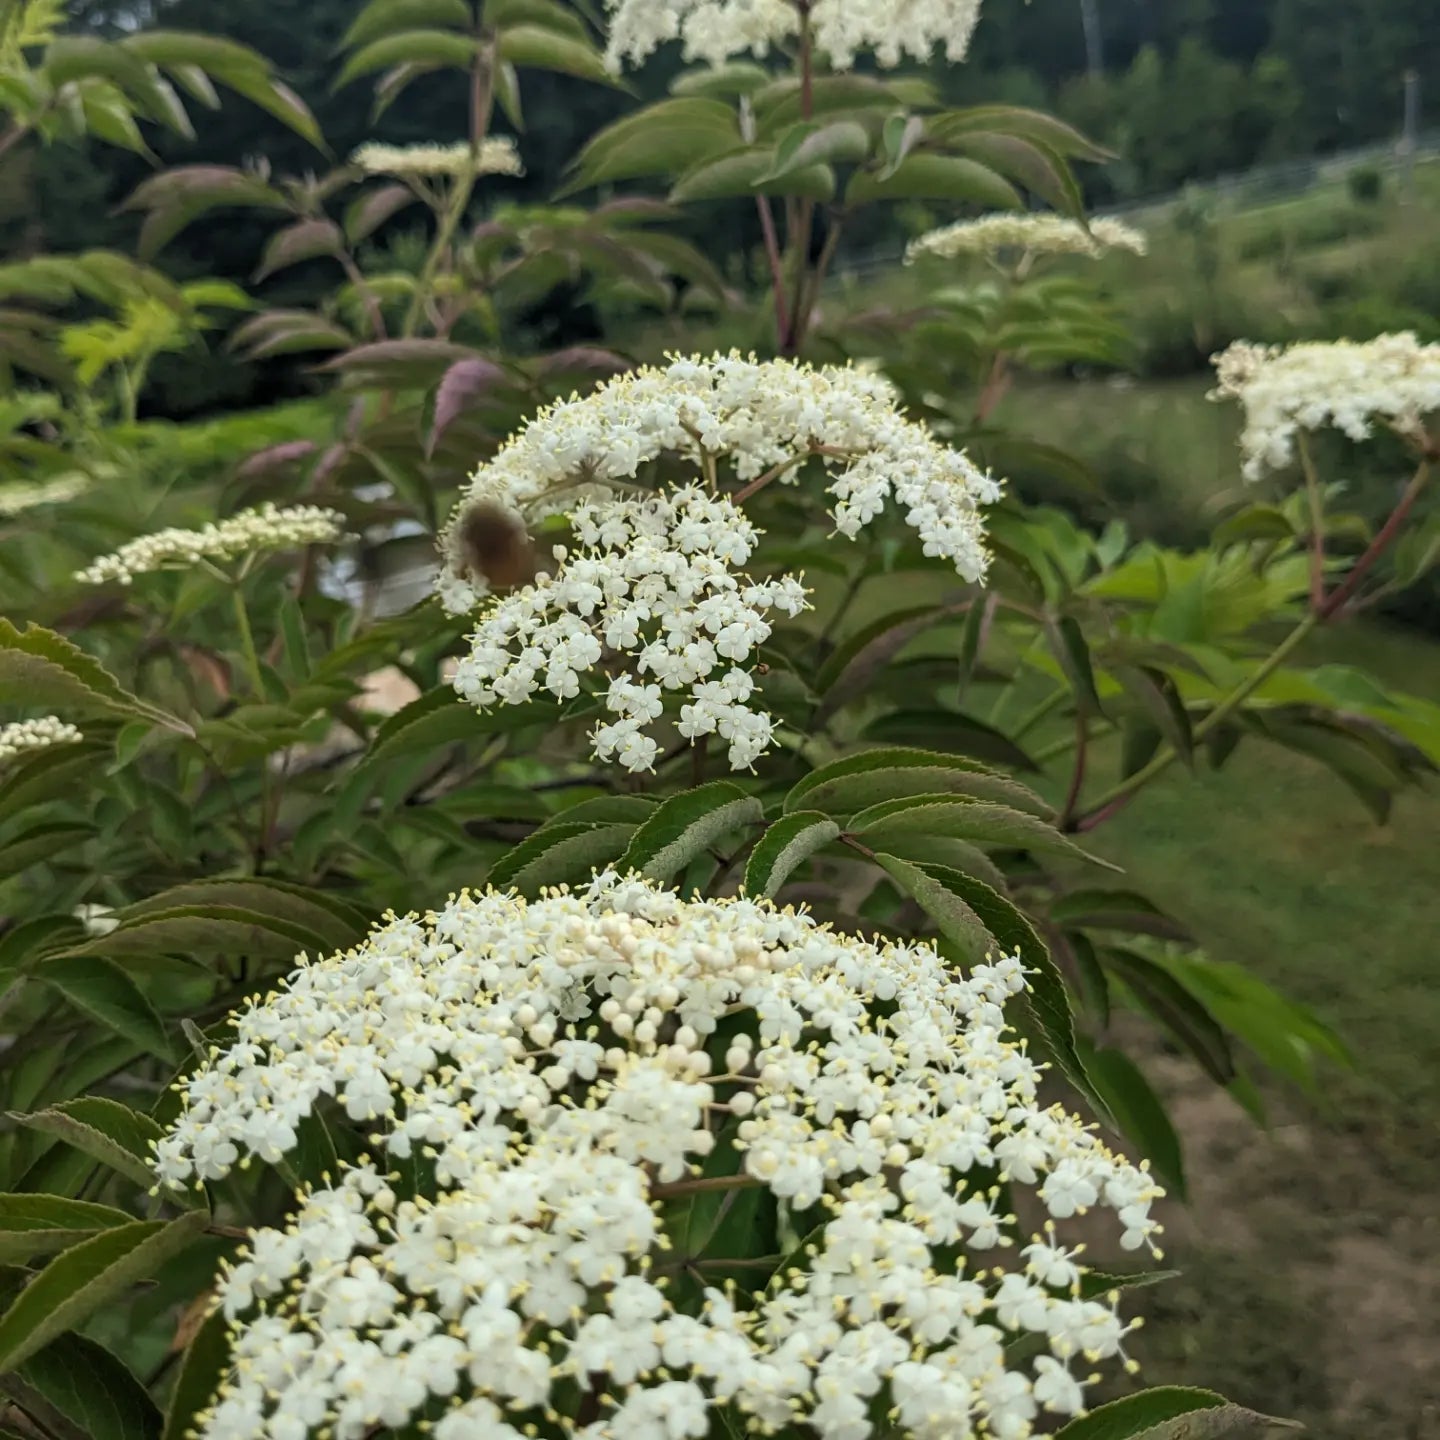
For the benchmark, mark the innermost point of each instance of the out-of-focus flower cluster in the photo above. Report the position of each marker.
(1344, 383)
(549, 1088)
(1031, 234)
(496, 155)
(20, 496)
(270, 527)
(715, 30)
(652, 580)
(22, 736)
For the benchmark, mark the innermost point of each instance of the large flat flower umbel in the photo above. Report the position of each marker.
(651, 594)
(566, 1101)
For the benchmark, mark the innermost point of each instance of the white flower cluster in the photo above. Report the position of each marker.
(22, 496)
(653, 580)
(757, 415)
(496, 155)
(549, 1087)
(714, 30)
(268, 528)
(1342, 383)
(1033, 234)
(21, 736)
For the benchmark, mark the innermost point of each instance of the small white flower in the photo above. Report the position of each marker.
(537, 1258)
(715, 30)
(1039, 234)
(18, 496)
(496, 156)
(251, 531)
(21, 736)
(1343, 383)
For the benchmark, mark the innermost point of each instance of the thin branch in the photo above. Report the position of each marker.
(1077, 778)
(1317, 526)
(1207, 726)
(1379, 544)
(777, 269)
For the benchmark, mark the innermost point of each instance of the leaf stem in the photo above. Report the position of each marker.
(1077, 778)
(1108, 805)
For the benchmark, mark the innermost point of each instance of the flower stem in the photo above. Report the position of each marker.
(482, 99)
(1317, 526)
(1107, 804)
(247, 641)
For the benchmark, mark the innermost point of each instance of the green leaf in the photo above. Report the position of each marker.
(1116, 910)
(316, 918)
(201, 932)
(1067, 642)
(898, 137)
(47, 933)
(1093, 983)
(1033, 125)
(548, 14)
(738, 78)
(663, 138)
(93, 1390)
(1138, 1111)
(957, 731)
(842, 141)
(105, 1130)
(982, 922)
(1175, 1008)
(922, 176)
(1255, 522)
(881, 758)
(688, 824)
(539, 48)
(904, 783)
(956, 854)
(559, 854)
(370, 210)
(106, 993)
(33, 1225)
(387, 17)
(786, 845)
(81, 1280)
(978, 821)
(206, 1362)
(47, 775)
(851, 667)
(1035, 165)
(1285, 1035)
(1172, 1412)
(431, 49)
(40, 668)
(40, 844)
(304, 240)
(608, 810)
(1156, 694)
(743, 172)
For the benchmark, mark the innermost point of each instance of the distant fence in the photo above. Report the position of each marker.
(1248, 189)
